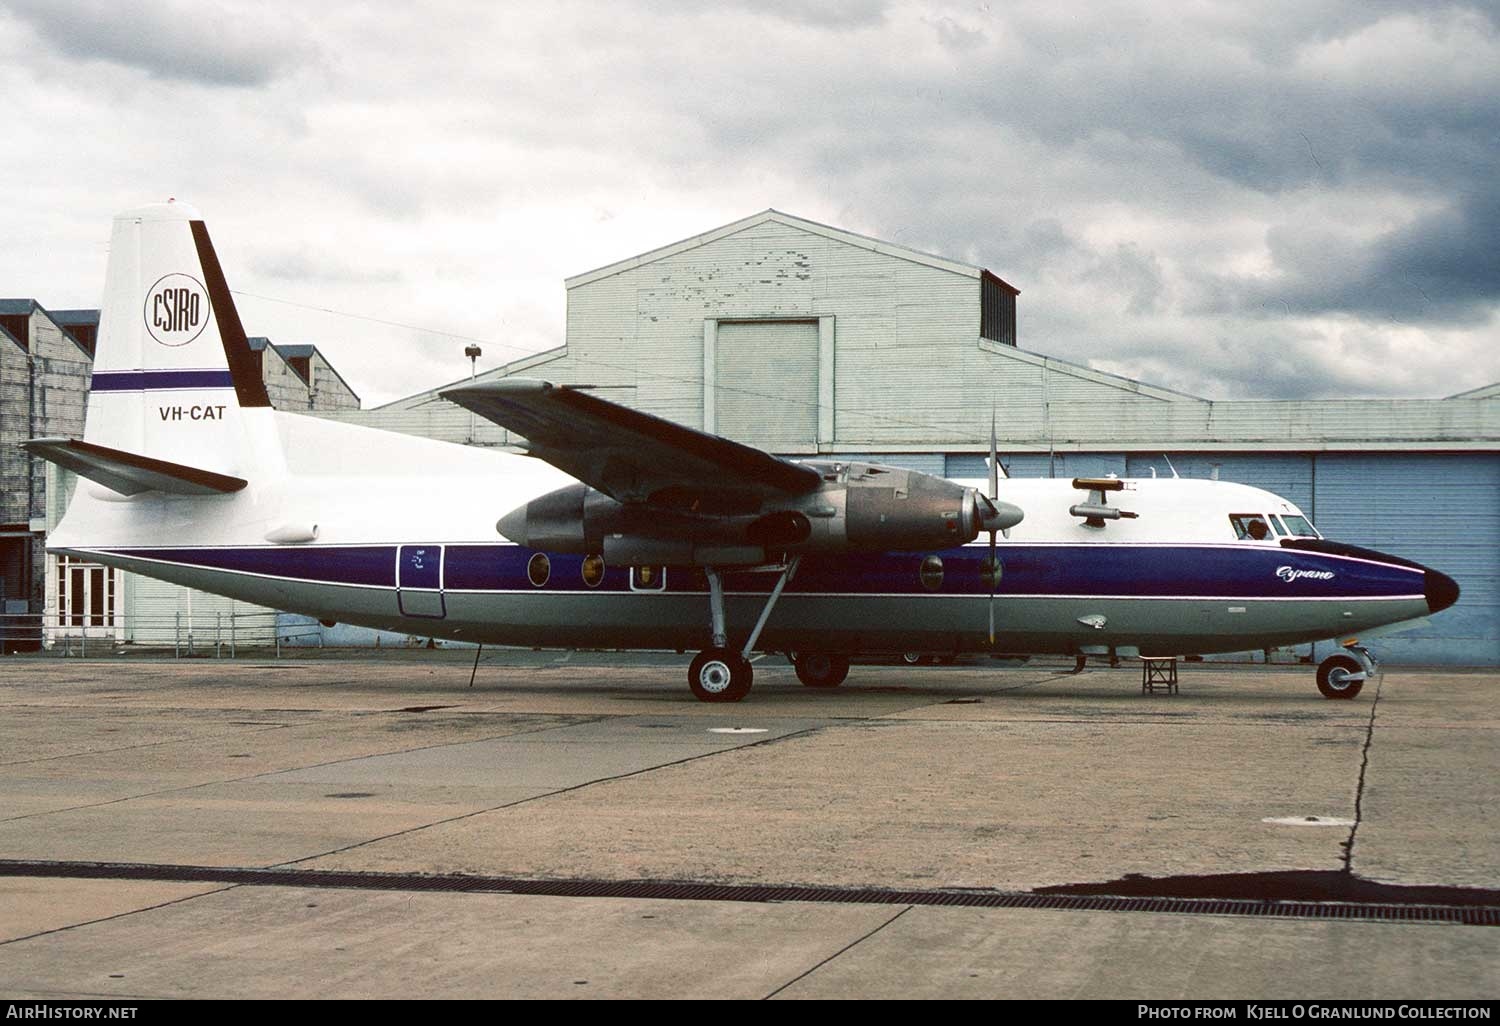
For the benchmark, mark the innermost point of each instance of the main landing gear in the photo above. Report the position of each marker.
(719, 673)
(1343, 674)
(821, 669)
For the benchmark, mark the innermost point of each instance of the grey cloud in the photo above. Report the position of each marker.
(1442, 268)
(204, 42)
(823, 14)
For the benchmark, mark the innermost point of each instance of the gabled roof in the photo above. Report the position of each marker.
(28, 307)
(1482, 392)
(296, 351)
(791, 221)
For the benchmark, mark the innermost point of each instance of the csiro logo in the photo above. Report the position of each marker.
(176, 309)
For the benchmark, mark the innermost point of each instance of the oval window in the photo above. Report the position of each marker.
(593, 570)
(931, 573)
(539, 569)
(990, 571)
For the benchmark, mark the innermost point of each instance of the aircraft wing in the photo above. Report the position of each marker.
(628, 455)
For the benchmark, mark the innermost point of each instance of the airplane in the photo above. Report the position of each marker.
(619, 529)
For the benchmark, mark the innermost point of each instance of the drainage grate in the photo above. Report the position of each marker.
(676, 890)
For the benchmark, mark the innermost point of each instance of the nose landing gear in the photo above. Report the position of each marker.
(1343, 674)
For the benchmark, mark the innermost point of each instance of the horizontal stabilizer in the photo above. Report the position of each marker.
(128, 473)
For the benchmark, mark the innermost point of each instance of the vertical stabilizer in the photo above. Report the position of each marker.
(173, 373)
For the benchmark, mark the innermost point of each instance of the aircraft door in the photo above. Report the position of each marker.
(419, 581)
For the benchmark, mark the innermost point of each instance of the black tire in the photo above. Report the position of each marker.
(1334, 676)
(914, 658)
(822, 669)
(719, 675)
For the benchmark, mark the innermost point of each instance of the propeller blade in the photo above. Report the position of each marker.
(994, 580)
(994, 460)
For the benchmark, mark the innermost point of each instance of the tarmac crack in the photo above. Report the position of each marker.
(837, 954)
(146, 744)
(296, 769)
(121, 915)
(550, 794)
(1359, 789)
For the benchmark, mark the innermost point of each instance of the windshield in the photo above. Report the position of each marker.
(1299, 526)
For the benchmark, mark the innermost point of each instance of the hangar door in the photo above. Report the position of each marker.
(766, 383)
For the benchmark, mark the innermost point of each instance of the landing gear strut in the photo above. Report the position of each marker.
(718, 673)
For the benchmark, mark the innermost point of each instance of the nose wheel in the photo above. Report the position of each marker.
(1343, 674)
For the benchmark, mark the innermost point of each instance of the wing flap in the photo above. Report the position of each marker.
(129, 473)
(627, 454)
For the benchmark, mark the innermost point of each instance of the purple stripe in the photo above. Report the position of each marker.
(150, 381)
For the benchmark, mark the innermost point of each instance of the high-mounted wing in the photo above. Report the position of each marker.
(630, 456)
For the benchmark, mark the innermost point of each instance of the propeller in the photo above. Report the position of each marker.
(995, 517)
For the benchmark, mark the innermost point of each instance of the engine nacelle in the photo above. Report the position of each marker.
(888, 508)
(860, 507)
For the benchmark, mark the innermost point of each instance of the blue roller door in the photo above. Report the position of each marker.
(1439, 509)
(1033, 464)
(1289, 475)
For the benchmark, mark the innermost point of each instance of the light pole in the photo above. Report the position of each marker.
(473, 352)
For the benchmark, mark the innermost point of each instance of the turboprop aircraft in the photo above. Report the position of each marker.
(623, 530)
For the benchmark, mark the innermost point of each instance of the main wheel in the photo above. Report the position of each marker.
(719, 675)
(822, 669)
(1340, 676)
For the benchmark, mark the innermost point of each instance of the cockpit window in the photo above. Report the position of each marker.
(1249, 526)
(1299, 526)
(1276, 523)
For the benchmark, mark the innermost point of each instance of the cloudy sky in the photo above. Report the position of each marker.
(1238, 200)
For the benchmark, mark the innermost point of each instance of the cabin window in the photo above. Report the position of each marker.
(593, 570)
(931, 573)
(1249, 526)
(648, 578)
(538, 569)
(1299, 526)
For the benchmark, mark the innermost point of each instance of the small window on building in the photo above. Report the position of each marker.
(931, 573)
(997, 310)
(539, 569)
(17, 325)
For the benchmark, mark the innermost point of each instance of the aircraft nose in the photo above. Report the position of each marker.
(1441, 590)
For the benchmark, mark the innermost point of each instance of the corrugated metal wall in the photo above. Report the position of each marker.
(1439, 509)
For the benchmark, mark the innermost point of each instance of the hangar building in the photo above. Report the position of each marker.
(801, 338)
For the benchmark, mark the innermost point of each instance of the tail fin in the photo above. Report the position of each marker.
(172, 369)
